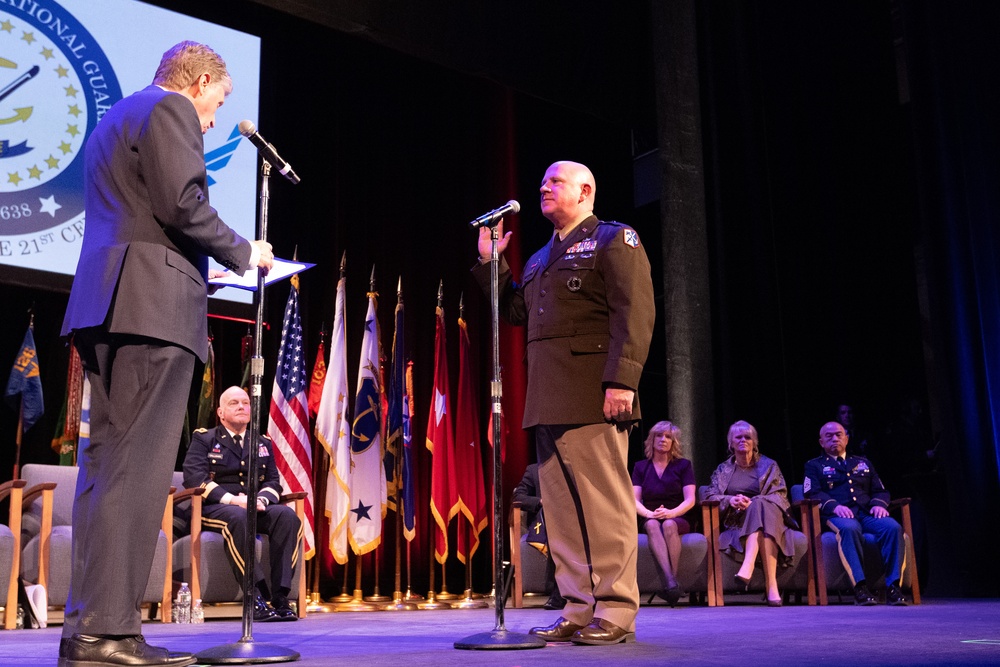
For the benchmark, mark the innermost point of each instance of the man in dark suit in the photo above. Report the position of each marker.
(527, 495)
(216, 461)
(587, 300)
(137, 312)
(853, 501)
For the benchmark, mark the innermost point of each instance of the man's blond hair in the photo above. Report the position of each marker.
(183, 63)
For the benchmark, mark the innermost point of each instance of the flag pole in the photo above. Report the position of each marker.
(471, 600)
(432, 602)
(20, 433)
(398, 604)
(316, 603)
(499, 638)
(410, 595)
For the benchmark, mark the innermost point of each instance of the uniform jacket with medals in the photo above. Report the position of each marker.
(589, 311)
(215, 463)
(853, 483)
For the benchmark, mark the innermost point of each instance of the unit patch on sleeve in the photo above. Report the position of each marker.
(631, 238)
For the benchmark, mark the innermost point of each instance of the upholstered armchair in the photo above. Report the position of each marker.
(199, 556)
(47, 533)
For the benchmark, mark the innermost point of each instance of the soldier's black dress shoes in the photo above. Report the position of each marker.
(862, 596)
(262, 611)
(93, 651)
(282, 609)
(560, 631)
(601, 632)
(555, 601)
(895, 597)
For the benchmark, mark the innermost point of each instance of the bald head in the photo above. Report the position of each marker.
(567, 193)
(234, 410)
(833, 439)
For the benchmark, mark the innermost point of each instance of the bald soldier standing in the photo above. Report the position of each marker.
(587, 300)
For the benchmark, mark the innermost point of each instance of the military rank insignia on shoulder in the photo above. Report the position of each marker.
(201, 430)
(631, 238)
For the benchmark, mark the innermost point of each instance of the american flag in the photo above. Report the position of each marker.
(288, 427)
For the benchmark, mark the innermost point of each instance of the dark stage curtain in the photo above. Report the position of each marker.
(952, 53)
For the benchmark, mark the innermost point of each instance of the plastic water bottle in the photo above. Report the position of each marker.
(197, 612)
(182, 607)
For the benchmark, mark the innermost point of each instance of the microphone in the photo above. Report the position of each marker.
(266, 150)
(493, 217)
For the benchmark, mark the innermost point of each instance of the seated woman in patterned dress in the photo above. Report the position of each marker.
(752, 503)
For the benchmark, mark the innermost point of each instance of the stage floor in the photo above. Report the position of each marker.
(939, 632)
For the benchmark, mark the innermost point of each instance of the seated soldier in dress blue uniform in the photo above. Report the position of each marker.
(854, 501)
(216, 461)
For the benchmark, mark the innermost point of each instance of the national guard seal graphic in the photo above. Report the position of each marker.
(55, 84)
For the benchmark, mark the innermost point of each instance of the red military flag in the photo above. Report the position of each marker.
(318, 376)
(467, 460)
(439, 442)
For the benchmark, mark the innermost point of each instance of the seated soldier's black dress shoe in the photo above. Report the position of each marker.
(560, 631)
(601, 632)
(94, 651)
(862, 596)
(282, 609)
(555, 601)
(262, 611)
(895, 597)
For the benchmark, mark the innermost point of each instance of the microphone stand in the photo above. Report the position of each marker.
(246, 651)
(499, 638)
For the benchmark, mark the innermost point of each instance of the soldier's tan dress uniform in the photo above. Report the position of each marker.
(588, 305)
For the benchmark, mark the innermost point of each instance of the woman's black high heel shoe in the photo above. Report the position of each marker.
(742, 584)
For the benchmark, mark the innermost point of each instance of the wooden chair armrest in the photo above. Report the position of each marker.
(184, 494)
(898, 503)
(7, 487)
(31, 494)
(291, 497)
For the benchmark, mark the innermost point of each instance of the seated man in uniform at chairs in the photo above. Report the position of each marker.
(216, 461)
(853, 501)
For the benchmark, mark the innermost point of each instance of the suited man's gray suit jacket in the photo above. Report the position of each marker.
(150, 229)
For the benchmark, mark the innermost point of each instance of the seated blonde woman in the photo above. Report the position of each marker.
(664, 493)
(752, 503)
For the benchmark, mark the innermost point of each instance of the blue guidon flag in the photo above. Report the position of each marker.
(26, 382)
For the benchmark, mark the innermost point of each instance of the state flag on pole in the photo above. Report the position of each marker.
(394, 439)
(409, 481)
(288, 426)
(334, 432)
(26, 382)
(68, 427)
(316, 382)
(439, 442)
(468, 461)
(368, 492)
(207, 402)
